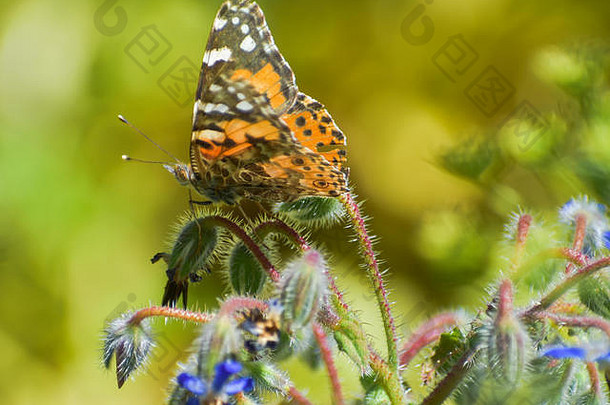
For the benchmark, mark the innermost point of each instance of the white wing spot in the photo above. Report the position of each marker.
(221, 108)
(245, 29)
(240, 96)
(235, 20)
(212, 56)
(215, 87)
(244, 106)
(219, 23)
(247, 44)
(231, 89)
(208, 107)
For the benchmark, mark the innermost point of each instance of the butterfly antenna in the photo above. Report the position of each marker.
(129, 124)
(129, 158)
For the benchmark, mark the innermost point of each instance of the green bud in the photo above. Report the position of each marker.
(354, 346)
(594, 293)
(218, 340)
(507, 341)
(375, 394)
(246, 275)
(191, 252)
(267, 377)
(129, 343)
(303, 289)
(313, 211)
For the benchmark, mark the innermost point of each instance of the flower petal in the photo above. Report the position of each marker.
(192, 401)
(566, 352)
(244, 384)
(224, 371)
(192, 383)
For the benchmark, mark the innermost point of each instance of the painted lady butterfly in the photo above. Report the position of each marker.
(255, 135)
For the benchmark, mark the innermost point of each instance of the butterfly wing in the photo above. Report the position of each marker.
(240, 46)
(316, 130)
(241, 146)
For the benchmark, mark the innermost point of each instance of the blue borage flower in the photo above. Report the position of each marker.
(598, 228)
(587, 353)
(221, 387)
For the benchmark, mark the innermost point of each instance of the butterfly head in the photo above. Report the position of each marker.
(182, 172)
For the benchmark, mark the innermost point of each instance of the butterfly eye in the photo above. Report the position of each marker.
(181, 172)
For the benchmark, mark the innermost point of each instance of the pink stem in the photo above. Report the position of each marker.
(568, 283)
(250, 244)
(327, 356)
(505, 304)
(374, 276)
(298, 397)
(574, 256)
(579, 237)
(170, 312)
(578, 321)
(596, 387)
(280, 226)
(388, 378)
(426, 334)
(522, 230)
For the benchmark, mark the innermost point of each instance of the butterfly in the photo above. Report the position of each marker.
(255, 135)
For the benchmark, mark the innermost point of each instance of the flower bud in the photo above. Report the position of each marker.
(313, 211)
(191, 252)
(375, 394)
(594, 293)
(219, 340)
(129, 342)
(507, 341)
(246, 275)
(303, 289)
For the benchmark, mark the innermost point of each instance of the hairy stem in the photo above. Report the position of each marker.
(573, 279)
(375, 277)
(327, 356)
(579, 237)
(446, 386)
(278, 226)
(596, 387)
(388, 378)
(298, 397)
(578, 321)
(505, 303)
(522, 230)
(170, 312)
(249, 242)
(426, 334)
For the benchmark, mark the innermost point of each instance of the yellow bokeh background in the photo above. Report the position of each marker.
(79, 225)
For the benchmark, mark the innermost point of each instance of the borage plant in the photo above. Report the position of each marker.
(541, 338)
(548, 351)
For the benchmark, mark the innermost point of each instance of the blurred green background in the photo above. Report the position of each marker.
(79, 225)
